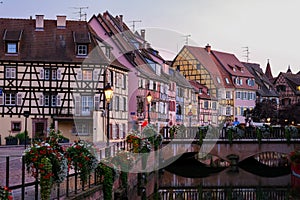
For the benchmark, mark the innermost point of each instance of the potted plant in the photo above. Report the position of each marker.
(295, 162)
(21, 138)
(11, 140)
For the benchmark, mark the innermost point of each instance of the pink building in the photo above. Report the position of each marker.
(244, 95)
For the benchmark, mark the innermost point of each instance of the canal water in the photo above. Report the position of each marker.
(189, 179)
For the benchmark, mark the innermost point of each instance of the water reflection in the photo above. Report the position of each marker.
(188, 178)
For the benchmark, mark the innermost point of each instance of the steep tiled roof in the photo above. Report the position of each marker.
(197, 86)
(123, 37)
(262, 80)
(269, 72)
(230, 62)
(50, 44)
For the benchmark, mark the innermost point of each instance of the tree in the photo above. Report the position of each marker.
(290, 114)
(264, 110)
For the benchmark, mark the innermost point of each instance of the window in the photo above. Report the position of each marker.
(83, 128)
(10, 99)
(117, 98)
(16, 126)
(226, 80)
(228, 95)
(178, 109)
(124, 104)
(86, 105)
(214, 105)
(87, 75)
(228, 111)
(46, 100)
(54, 74)
(12, 47)
(10, 73)
(218, 79)
(82, 50)
(47, 74)
(238, 95)
(50, 100)
(205, 104)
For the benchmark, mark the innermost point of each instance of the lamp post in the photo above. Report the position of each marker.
(108, 91)
(149, 99)
(26, 115)
(190, 114)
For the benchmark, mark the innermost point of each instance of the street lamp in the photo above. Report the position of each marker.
(26, 115)
(108, 91)
(149, 99)
(190, 113)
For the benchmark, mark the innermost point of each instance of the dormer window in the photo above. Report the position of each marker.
(82, 50)
(82, 40)
(12, 39)
(226, 80)
(11, 47)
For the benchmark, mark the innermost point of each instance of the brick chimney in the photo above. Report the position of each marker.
(143, 33)
(61, 21)
(121, 21)
(208, 48)
(39, 22)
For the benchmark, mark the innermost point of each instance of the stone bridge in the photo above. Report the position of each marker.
(222, 148)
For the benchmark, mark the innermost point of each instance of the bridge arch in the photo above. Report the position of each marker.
(221, 149)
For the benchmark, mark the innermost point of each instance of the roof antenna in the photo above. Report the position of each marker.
(187, 39)
(133, 24)
(247, 53)
(81, 14)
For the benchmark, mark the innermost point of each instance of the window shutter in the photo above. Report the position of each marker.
(79, 75)
(13, 72)
(58, 100)
(125, 103)
(151, 85)
(96, 102)
(124, 81)
(42, 74)
(77, 105)
(121, 104)
(112, 78)
(41, 100)
(95, 75)
(1, 99)
(58, 74)
(19, 99)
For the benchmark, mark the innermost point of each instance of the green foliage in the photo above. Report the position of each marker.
(258, 135)
(21, 136)
(107, 172)
(82, 156)
(46, 178)
(5, 193)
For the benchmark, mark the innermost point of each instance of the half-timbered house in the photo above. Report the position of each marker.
(54, 71)
(145, 74)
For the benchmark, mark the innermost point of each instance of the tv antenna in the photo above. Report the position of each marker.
(133, 24)
(80, 12)
(247, 52)
(187, 39)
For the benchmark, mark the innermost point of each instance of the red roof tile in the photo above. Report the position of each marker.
(52, 44)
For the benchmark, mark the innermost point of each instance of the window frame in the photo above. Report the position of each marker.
(82, 50)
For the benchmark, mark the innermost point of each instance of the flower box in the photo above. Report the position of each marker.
(11, 141)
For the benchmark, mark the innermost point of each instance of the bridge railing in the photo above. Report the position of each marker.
(226, 192)
(14, 176)
(233, 133)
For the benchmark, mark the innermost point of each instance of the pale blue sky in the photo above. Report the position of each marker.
(268, 27)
